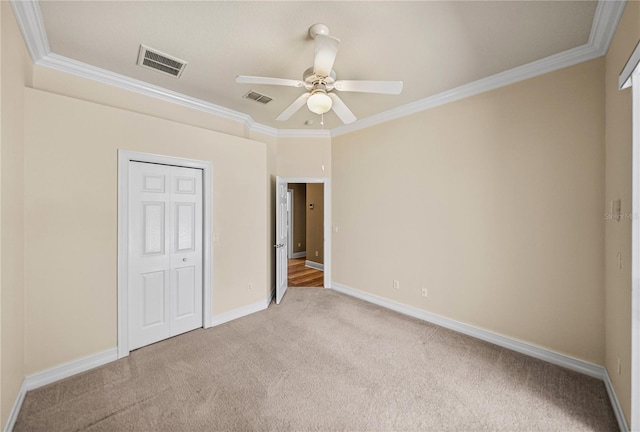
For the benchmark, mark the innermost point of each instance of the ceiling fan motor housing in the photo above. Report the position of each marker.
(318, 29)
(311, 80)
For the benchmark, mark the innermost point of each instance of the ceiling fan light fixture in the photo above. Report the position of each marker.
(319, 102)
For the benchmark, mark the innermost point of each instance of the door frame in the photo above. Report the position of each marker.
(630, 77)
(326, 220)
(124, 158)
(290, 223)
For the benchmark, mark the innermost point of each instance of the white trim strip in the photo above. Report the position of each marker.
(531, 350)
(15, 410)
(624, 80)
(299, 254)
(552, 63)
(605, 21)
(635, 253)
(31, 25)
(57, 373)
(74, 67)
(243, 311)
(615, 404)
(303, 133)
(66, 370)
(314, 265)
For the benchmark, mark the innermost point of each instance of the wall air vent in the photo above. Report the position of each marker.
(258, 97)
(161, 62)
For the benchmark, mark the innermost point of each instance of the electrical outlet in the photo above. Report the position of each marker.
(299, 244)
(316, 253)
(619, 261)
(396, 284)
(249, 286)
(425, 293)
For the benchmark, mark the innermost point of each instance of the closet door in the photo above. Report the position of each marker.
(165, 252)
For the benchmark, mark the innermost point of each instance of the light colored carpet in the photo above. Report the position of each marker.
(322, 361)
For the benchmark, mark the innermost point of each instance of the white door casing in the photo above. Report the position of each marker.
(282, 277)
(165, 252)
(125, 158)
(282, 263)
(290, 223)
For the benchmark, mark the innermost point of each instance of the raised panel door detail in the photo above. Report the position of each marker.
(185, 291)
(153, 294)
(185, 185)
(153, 183)
(185, 226)
(281, 239)
(154, 227)
(165, 281)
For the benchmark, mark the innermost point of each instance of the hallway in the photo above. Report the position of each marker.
(303, 276)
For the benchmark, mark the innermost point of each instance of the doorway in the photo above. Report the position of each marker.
(284, 206)
(305, 206)
(167, 201)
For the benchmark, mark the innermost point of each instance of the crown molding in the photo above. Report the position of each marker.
(605, 22)
(251, 125)
(520, 73)
(303, 133)
(31, 25)
(74, 67)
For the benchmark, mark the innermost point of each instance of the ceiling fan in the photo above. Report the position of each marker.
(320, 80)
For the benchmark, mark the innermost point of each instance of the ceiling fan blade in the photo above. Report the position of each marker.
(341, 109)
(326, 51)
(294, 107)
(243, 79)
(387, 87)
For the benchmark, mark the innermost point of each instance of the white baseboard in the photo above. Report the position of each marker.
(241, 311)
(314, 265)
(615, 404)
(299, 254)
(57, 373)
(532, 350)
(272, 295)
(15, 410)
(66, 370)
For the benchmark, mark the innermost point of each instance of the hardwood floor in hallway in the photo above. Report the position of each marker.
(303, 276)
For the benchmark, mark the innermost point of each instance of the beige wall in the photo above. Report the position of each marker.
(15, 72)
(65, 84)
(304, 157)
(315, 222)
(618, 186)
(520, 169)
(299, 216)
(271, 147)
(493, 202)
(71, 219)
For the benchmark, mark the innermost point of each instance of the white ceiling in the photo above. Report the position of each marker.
(431, 46)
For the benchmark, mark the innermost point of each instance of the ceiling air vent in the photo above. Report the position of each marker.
(154, 59)
(258, 97)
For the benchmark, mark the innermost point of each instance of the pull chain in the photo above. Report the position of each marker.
(322, 124)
